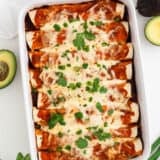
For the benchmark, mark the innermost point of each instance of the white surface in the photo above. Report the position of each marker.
(13, 132)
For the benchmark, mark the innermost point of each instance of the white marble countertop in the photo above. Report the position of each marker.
(13, 132)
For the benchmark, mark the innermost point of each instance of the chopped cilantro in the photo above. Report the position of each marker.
(105, 124)
(57, 27)
(68, 65)
(90, 99)
(58, 100)
(85, 65)
(117, 19)
(65, 24)
(104, 44)
(92, 128)
(79, 132)
(91, 23)
(46, 67)
(86, 48)
(85, 105)
(59, 149)
(78, 84)
(89, 35)
(59, 74)
(98, 65)
(68, 147)
(61, 67)
(60, 134)
(78, 115)
(61, 79)
(65, 53)
(87, 137)
(74, 31)
(76, 68)
(84, 152)
(98, 23)
(49, 91)
(103, 89)
(101, 135)
(79, 41)
(72, 86)
(104, 66)
(85, 25)
(81, 143)
(93, 86)
(71, 20)
(54, 119)
(110, 112)
(99, 107)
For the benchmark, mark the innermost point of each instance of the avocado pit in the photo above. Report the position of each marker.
(4, 70)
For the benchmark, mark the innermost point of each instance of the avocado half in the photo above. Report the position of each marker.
(8, 67)
(152, 30)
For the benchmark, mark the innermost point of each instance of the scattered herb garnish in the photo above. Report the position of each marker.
(49, 91)
(101, 135)
(20, 156)
(85, 65)
(110, 112)
(54, 119)
(117, 19)
(78, 84)
(81, 143)
(58, 100)
(59, 149)
(96, 23)
(103, 89)
(85, 25)
(61, 67)
(57, 27)
(72, 86)
(61, 79)
(71, 20)
(79, 41)
(65, 24)
(60, 134)
(76, 68)
(90, 99)
(79, 132)
(89, 35)
(105, 124)
(99, 107)
(104, 44)
(78, 115)
(68, 147)
(65, 53)
(93, 86)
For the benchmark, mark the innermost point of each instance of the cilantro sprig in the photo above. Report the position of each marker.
(20, 156)
(55, 119)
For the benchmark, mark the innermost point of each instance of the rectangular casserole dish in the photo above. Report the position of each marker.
(137, 67)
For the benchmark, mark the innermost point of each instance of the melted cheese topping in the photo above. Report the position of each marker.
(79, 80)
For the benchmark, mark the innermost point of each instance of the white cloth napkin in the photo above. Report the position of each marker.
(9, 13)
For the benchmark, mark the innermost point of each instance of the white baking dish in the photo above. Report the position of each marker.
(137, 65)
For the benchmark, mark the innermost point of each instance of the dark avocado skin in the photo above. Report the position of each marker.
(148, 8)
(12, 59)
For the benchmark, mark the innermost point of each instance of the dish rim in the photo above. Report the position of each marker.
(25, 74)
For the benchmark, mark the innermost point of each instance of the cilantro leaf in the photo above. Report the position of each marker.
(81, 143)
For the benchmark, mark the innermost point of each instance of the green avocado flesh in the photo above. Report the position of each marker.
(152, 30)
(8, 66)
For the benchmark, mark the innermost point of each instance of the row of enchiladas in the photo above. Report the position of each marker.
(81, 68)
